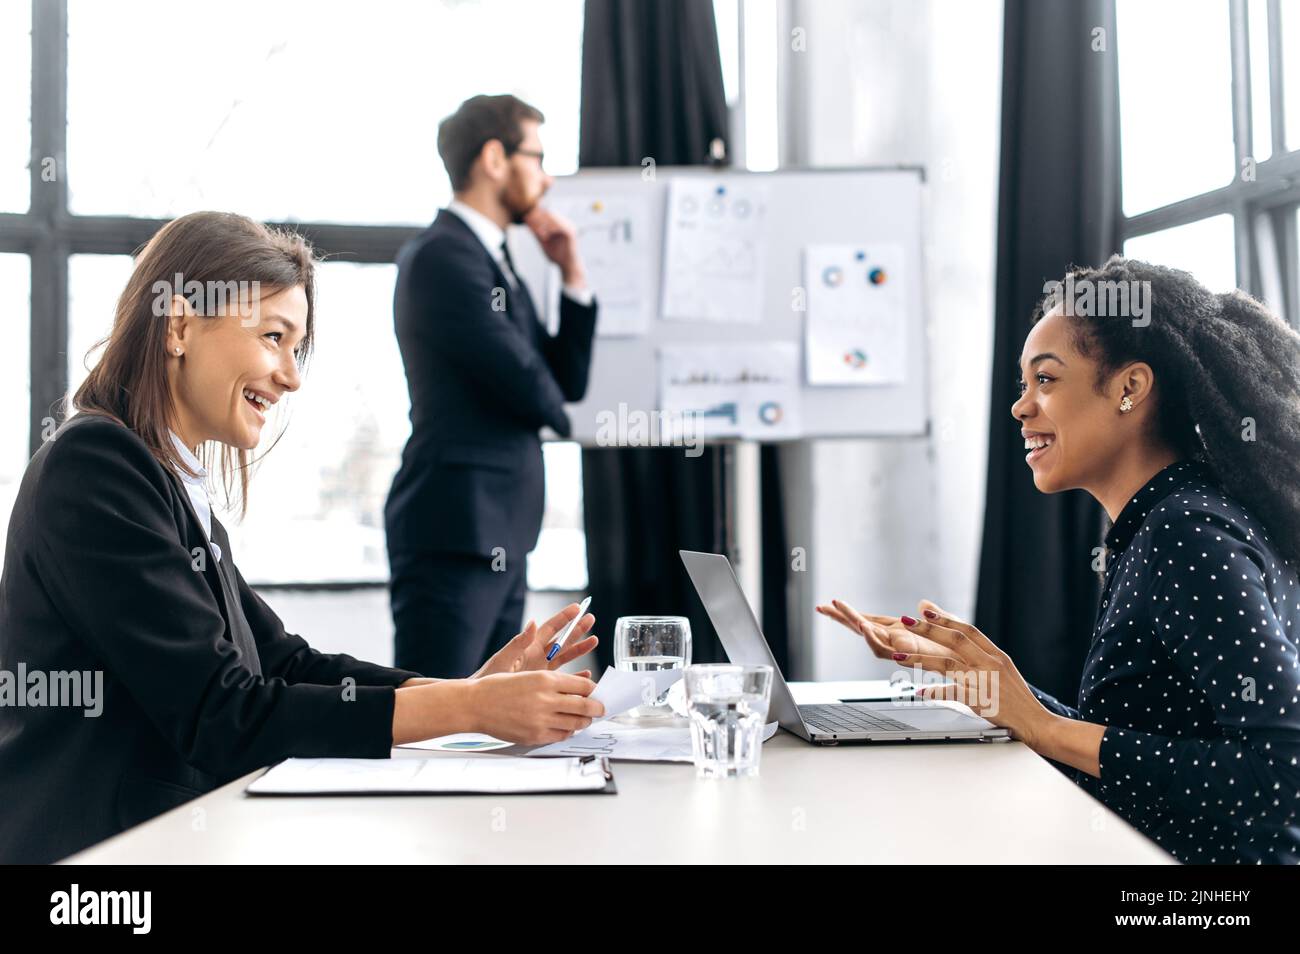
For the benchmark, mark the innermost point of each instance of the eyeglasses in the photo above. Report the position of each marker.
(535, 153)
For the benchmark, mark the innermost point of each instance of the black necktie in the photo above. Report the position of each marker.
(521, 305)
(511, 273)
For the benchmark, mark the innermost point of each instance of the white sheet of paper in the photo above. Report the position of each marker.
(632, 743)
(620, 691)
(749, 390)
(855, 331)
(614, 238)
(498, 775)
(714, 250)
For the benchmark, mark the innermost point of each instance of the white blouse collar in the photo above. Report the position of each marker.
(192, 462)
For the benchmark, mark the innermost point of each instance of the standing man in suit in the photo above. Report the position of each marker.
(484, 375)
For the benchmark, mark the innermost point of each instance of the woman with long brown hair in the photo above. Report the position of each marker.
(120, 583)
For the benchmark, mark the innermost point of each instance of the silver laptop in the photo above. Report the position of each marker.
(827, 723)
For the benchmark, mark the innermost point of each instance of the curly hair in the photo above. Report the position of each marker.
(1227, 374)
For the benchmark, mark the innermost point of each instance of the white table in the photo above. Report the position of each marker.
(879, 804)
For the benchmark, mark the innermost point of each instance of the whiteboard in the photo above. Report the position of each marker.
(869, 206)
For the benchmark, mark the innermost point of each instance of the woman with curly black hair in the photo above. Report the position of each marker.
(1185, 425)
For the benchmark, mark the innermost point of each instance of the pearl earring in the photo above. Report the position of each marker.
(178, 351)
(1126, 405)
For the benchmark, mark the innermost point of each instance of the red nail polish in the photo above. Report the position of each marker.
(930, 614)
(899, 657)
(907, 621)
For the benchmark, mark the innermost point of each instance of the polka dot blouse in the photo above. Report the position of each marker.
(1193, 669)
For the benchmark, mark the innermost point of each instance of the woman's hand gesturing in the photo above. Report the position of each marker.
(982, 676)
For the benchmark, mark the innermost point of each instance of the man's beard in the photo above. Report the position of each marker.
(517, 209)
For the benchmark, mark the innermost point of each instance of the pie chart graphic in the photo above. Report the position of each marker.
(832, 276)
(876, 276)
(857, 358)
(769, 412)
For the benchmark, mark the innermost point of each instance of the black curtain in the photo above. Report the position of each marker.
(1058, 205)
(651, 83)
(652, 88)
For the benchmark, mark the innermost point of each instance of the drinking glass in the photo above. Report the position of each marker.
(649, 644)
(727, 705)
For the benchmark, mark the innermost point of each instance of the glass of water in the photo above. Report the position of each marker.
(727, 705)
(648, 644)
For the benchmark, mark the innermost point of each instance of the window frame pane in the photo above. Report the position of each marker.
(52, 236)
(1259, 191)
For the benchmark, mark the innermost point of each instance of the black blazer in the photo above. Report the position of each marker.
(483, 376)
(107, 569)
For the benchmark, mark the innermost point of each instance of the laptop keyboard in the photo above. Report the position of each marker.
(845, 717)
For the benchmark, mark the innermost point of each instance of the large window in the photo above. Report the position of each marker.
(15, 103)
(320, 117)
(1209, 95)
(15, 298)
(297, 109)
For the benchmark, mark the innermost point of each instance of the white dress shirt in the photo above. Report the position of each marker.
(196, 489)
(493, 237)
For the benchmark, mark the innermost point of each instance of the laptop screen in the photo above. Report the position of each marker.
(738, 630)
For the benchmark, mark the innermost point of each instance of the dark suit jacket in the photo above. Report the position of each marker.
(483, 377)
(201, 683)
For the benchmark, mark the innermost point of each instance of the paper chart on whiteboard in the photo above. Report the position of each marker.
(854, 331)
(736, 390)
(714, 251)
(614, 239)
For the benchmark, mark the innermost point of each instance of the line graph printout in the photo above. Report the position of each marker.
(714, 250)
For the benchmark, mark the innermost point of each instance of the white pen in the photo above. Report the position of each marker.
(564, 633)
